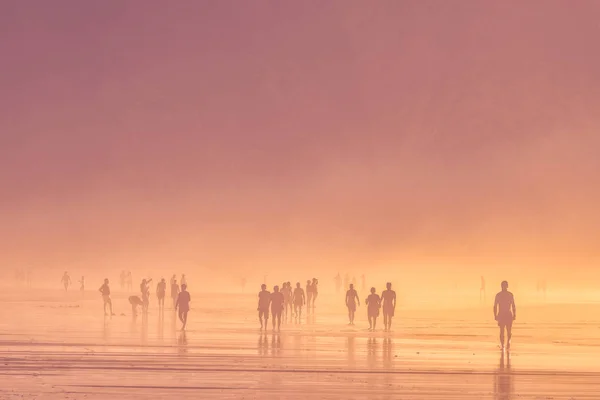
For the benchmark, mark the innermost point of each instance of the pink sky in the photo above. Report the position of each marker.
(260, 131)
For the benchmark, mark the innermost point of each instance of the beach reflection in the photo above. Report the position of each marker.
(503, 382)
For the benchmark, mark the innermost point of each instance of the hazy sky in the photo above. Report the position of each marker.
(356, 132)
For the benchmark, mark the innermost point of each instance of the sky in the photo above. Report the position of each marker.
(330, 134)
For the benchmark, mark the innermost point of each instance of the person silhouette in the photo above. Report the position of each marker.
(388, 300)
(373, 303)
(299, 300)
(135, 301)
(289, 310)
(264, 300)
(309, 294)
(183, 280)
(129, 281)
(505, 312)
(183, 305)
(161, 291)
(123, 279)
(82, 284)
(105, 290)
(174, 290)
(315, 290)
(277, 300)
(66, 280)
(351, 300)
(145, 289)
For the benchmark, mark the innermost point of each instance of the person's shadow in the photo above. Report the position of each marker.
(503, 382)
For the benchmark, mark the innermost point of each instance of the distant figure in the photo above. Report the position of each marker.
(135, 301)
(338, 282)
(183, 280)
(277, 301)
(288, 293)
(315, 290)
(363, 280)
(505, 312)
(299, 299)
(173, 279)
(145, 289)
(174, 291)
(66, 280)
(373, 303)
(161, 291)
(123, 279)
(105, 290)
(129, 281)
(82, 284)
(264, 300)
(351, 300)
(388, 300)
(482, 291)
(309, 294)
(183, 304)
(243, 284)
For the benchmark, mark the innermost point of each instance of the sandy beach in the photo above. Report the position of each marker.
(57, 345)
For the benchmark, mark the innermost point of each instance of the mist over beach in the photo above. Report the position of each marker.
(159, 162)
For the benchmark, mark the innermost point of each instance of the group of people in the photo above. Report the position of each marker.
(287, 302)
(374, 302)
(181, 298)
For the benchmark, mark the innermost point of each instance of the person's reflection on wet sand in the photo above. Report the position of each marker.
(372, 352)
(106, 328)
(275, 344)
(503, 382)
(182, 343)
(263, 344)
(161, 326)
(144, 336)
(350, 346)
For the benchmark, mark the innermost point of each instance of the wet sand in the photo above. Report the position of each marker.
(59, 346)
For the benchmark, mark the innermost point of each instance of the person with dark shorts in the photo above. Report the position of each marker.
(373, 303)
(388, 300)
(505, 312)
(161, 291)
(299, 300)
(277, 304)
(264, 300)
(183, 305)
(351, 300)
(105, 290)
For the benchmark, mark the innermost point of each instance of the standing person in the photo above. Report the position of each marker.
(123, 279)
(351, 300)
(183, 280)
(264, 300)
(82, 284)
(161, 291)
(338, 282)
(66, 280)
(286, 299)
(482, 290)
(277, 300)
(373, 303)
(290, 303)
(388, 299)
(299, 299)
(129, 281)
(309, 294)
(145, 289)
(105, 290)
(505, 312)
(174, 291)
(183, 304)
(315, 290)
